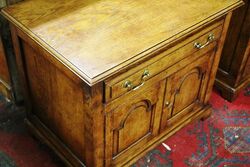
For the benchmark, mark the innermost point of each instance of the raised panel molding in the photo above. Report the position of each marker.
(144, 103)
(135, 123)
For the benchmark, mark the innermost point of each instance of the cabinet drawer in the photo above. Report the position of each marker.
(134, 78)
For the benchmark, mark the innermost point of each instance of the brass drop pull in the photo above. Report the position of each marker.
(168, 104)
(129, 84)
(210, 38)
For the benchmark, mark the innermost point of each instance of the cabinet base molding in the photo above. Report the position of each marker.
(228, 92)
(46, 136)
(198, 115)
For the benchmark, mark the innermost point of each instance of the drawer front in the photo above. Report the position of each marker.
(137, 76)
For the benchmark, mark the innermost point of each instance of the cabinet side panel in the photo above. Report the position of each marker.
(55, 99)
(240, 57)
(231, 38)
(5, 88)
(218, 52)
(4, 72)
(246, 73)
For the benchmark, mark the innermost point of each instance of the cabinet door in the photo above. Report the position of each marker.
(185, 91)
(133, 121)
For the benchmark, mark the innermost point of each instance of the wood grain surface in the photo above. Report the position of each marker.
(95, 39)
(4, 70)
(5, 81)
(75, 58)
(233, 74)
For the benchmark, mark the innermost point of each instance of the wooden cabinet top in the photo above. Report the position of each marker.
(96, 38)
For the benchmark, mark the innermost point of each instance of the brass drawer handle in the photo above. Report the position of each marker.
(210, 38)
(168, 104)
(129, 84)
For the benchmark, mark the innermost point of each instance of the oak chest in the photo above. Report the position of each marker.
(106, 81)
